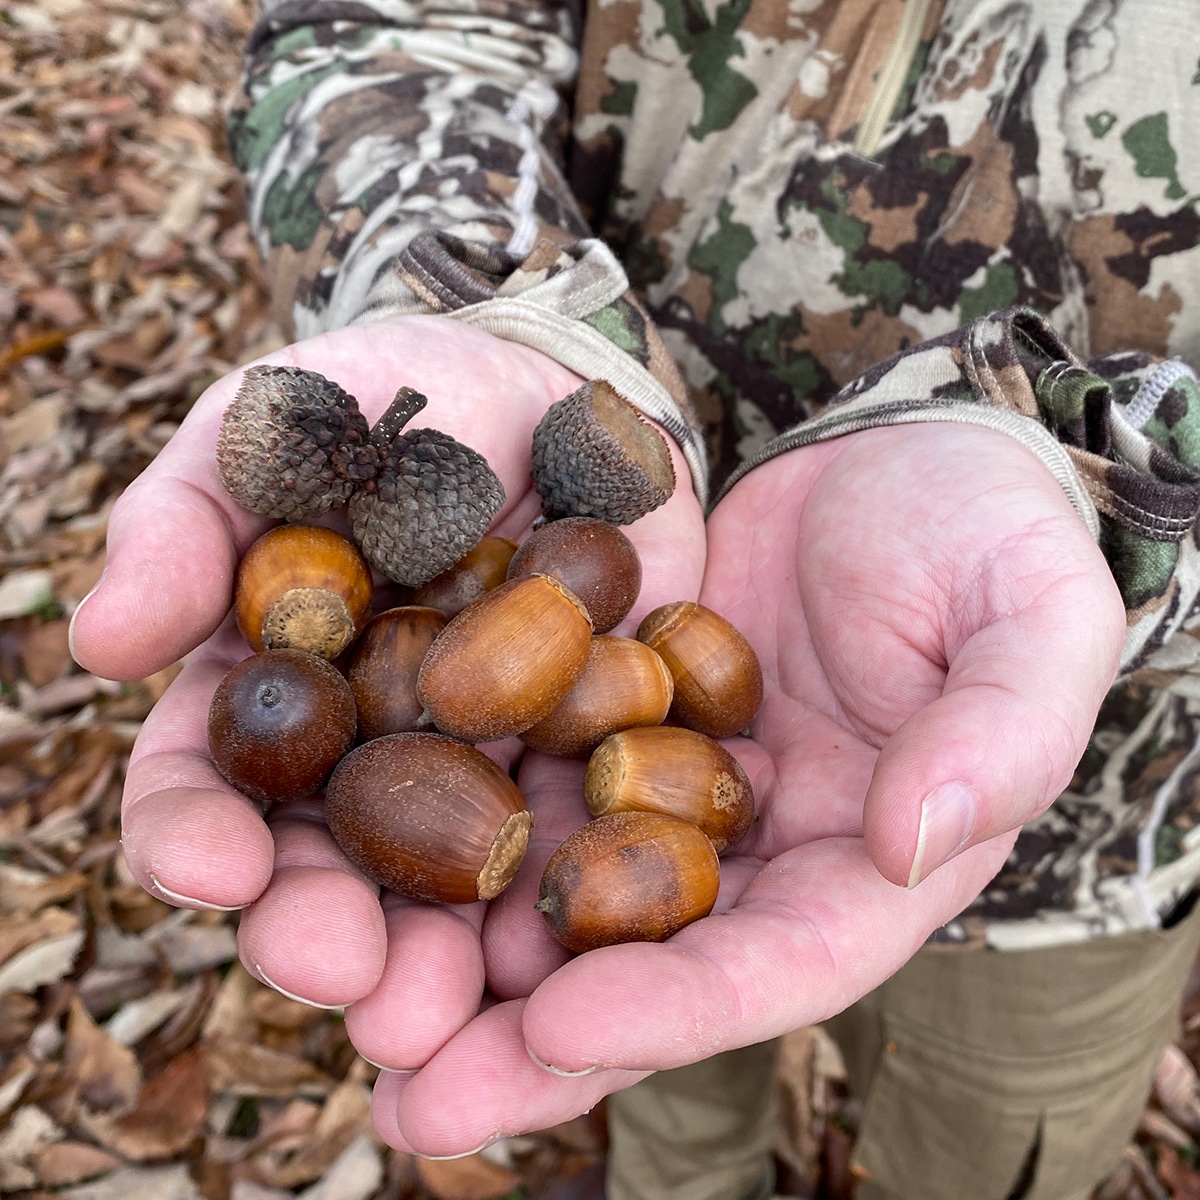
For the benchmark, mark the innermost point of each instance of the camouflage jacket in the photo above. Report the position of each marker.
(769, 223)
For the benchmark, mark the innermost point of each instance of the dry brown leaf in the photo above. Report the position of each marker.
(470, 1178)
(44, 652)
(19, 931)
(345, 1115)
(65, 1163)
(355, 1175)
(169, 1114)
(249, 1070)
(139, 1183)
(107, 1072)
(46, 962)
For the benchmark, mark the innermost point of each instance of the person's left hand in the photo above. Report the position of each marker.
(937, 630)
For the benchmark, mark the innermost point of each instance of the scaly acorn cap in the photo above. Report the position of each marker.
(595, 455)
(293, 444)
(431, 501)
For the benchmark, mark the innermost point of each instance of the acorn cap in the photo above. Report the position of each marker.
(595, 455)
(431, 501)
(293, 444)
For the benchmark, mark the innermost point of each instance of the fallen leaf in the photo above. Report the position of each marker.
(139, 1183)
(249, 1070)
(65, 1163)
(107, 1072)
(356, 1175)
(47, 962)
(470, 1178)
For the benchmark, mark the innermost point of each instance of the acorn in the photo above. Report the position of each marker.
(383, 667)
(478, 571)
(430, 502)
(718, 678)
(505, 661)
(293, 444)
(675, 771)
(595, 455)
(428, 817)
(628, 877)
(302, 587)
(623, 684)
(278, 724)
(593, 558)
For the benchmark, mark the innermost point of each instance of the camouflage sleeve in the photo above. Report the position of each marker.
(405, 156)
(1120, 434)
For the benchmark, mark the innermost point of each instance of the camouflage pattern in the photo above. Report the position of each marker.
(684, 196)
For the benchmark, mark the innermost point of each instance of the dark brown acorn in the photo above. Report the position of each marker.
(593, 558)
(595, 455)
(478, 571)
(623, 684)
(428, 817)
(718, 678)
(505, 661)
(302, 587)
(628, 877)
(278, 724)
(293, 444)
(383, 669)
(674, 771)
(430, 502)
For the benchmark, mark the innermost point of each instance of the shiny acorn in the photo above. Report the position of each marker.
(718, 678)
(678, 772)
(623, 684)
(628, 877)
(428, 817)
(505, 661)
(478, 571)
(302, 587)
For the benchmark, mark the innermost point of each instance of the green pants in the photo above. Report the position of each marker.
(997, 1076)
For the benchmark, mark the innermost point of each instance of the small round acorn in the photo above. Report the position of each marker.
(595, 455)
(428, 817)
(278, 724)
(430, 502)
(478, 571)
(302, 587)
(293, 444)
(593, 558)
(628, 877)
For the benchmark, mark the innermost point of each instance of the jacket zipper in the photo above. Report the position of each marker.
(890, 80)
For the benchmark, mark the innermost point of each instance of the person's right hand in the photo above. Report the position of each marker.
(312, 926)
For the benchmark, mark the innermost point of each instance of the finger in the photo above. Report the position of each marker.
(188, 837)
(518, 948)
(1002, 741)
(480, 1087)
(317, 933)
(431, 985)
(818, 928)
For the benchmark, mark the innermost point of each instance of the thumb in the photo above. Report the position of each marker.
(1001, 742)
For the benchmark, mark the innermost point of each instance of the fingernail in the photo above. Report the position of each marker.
(262, 976)
(190, 901)
(399, 1072)
(71, 623)
(464, 1154)
(947, 822)
(558, 1070)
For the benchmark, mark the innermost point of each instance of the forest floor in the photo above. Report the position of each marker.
(138, 1060)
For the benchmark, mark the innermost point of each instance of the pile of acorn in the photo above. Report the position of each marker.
(494, 640)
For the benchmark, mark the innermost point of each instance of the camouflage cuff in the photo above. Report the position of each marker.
(1120, 434)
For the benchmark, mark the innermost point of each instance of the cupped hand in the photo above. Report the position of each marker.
(937, 630)
(312, 926)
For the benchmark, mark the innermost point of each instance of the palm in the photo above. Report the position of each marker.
(927, 608)
(311, 925)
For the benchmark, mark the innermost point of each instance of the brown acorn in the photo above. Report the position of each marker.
(674, 771)
(623, 684)
(628, 877)
(383, 667)
(593, 558)
(430, 502)
(293, 444)
(505, 661)
(302, 587)
(478, 571)
(428, 817)
(718, 678)
(278, 724)
(595, 455)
